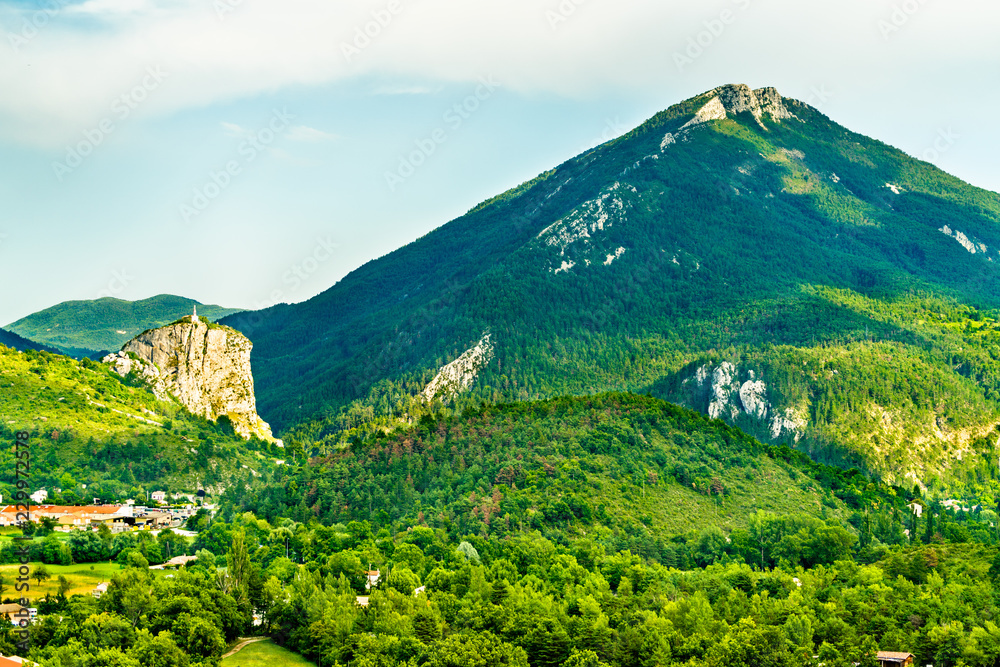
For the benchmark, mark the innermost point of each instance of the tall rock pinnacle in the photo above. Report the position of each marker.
(204, 366)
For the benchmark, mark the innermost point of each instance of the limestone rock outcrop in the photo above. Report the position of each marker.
(204, 366)
(125, 365)
(730, 393)
(458, 376)
(730, 100)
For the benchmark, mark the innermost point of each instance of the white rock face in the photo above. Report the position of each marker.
(728, 399)
(206, 368)
(618, 253)
(973, 246)
(734, 99)
(773, 104)
(753, 395)
(459, 375)
(714, 110)
(122, 364)
(787, 423)
(724, 385)
(580, 233)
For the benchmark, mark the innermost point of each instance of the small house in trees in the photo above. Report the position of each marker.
(372, 577)
(14, 661)
(894, 659)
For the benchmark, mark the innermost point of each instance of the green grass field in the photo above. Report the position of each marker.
(83, 576)
(266, 653)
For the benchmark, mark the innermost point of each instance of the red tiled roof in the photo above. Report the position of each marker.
(894, 655)
(65, 509)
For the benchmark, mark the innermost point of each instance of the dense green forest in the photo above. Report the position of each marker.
(632, 465)
(612, 530)
(15, 342)
(785, 590)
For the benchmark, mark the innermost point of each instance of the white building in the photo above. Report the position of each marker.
(159, 496)
(40, 496)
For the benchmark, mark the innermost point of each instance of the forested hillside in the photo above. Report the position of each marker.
(86, 328)
(859, 284)
(15, 342)
(605, 531)
(96, 435)
(632, 466)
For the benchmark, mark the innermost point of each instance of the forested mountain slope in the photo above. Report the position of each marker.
(85, 328)
(15, 342)
(740, 253)
(632, 467)
(96, 435)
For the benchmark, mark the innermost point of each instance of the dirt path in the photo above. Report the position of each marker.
(242, 643)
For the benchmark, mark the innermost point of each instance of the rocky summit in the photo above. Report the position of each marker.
(203, 365)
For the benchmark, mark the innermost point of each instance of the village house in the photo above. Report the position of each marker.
(14, 613)
(372, 577)
(957, 506)
(69, 517)
(175, 562)
(100, 589)
(152, 520)
(894, 659)
(118, 518)
(159, 496)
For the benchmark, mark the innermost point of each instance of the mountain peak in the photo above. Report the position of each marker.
(740, 98)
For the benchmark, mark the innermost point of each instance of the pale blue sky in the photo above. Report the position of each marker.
(163, 94)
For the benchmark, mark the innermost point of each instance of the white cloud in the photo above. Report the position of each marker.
(404, 89)
(309, 134)
(105, 7)
(234, 130)
(65, 78)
